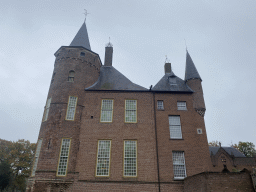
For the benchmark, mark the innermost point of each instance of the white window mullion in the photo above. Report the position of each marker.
(63, 160)
(103, 158)
(106, 110)
(131, 111)
(175, 127)
(71, 109)
(130, 158)
(179, 168)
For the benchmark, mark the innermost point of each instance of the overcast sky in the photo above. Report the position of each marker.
(220, 36)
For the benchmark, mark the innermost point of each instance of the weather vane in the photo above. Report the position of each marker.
(85, 14)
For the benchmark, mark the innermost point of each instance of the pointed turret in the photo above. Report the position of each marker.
(81, 38)
(191, 71)
(193, 80)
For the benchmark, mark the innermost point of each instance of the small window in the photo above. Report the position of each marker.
(106, 110)
(199, 131)
(179, 168)
(172, 80)
(103, 158)
(71, 76)
(175, 128)
(38, 148)
(46, 109)
(71, 110)
(53, 75)
(63, 160)
(160, 105)
(130, 111)
(130, 158)
(82, 54)
(181, 105)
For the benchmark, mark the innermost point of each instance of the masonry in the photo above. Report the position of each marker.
(102, 132)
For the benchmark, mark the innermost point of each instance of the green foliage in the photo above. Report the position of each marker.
(247, 148)
(214, 143)
(5, 175)
(19, 156)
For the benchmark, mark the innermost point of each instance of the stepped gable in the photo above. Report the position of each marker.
(112, 79)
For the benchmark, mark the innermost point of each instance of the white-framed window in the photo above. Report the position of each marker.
(64, 155)
(130, 158)
(175, 128)
(38, 149)
(46, 109)
(103, 158)
(71, 76)
(160, 105)
(71, 110)
(131, 111)
(179, 168)
(106, 110)
(181, 105)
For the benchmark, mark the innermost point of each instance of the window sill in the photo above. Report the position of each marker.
(179, 179)
(176, 139)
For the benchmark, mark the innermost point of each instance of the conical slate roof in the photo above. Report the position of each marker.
(170, 82)
(81, 38)
(191, 71)
(112, 79)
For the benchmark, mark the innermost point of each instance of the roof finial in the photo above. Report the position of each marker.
(85, 14)
(186, 45)
(109, 44)
(166, 59)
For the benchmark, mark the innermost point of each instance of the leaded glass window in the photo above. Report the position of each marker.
(160, 105)
(175, 128)
(130, 158)
(103, 158)
(106, 110)
(38, 148)
(181, 105)
(63, 160)
(130, 111)
(71, 108)
(46, 109)
(179, 168)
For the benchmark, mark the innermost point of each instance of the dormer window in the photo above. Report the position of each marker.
(172, 80)
(71, 76)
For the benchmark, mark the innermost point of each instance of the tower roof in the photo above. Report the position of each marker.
(112, 79)
(191, 71)
(81, 38)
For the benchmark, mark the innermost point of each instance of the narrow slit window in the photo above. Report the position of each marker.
(71, 108)
(179, 168)
(46, 109)
(82, 54)
(130, 111)
(175, 127)
(130, 158)
(181, 105)
(160, 105)
(71, 76)
(106, 110)
(103, 158)
(38, 148)
(63, 160)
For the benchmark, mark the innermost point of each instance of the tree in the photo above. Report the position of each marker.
(247, 148)
(214, 143)
(5, 175)
(19, 155)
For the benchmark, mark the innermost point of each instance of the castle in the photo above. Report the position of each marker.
(102, 132)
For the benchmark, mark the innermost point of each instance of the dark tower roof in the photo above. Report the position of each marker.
(191, 71)
(112, 79)
(170, 82)
(81, 38)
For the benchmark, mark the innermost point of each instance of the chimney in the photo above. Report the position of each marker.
(108, 54)
(167, 68)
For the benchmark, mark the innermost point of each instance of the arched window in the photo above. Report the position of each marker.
(71, 76)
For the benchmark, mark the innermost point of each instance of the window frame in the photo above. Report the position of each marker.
(47, 109)
(176, 126)
(98, 158)
(181, 107)
(158, 101)
(136, 111)
(125, 157)
(183, 154)
(68, 108)
(107, 110)
(35, 162)
(60, 157)
(71, 77)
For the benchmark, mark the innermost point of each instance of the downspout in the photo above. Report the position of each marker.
(156, 143)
